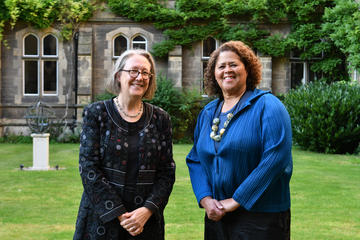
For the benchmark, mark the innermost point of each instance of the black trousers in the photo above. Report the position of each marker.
(244, 225)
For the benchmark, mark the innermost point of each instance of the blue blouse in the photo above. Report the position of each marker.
(253, 162)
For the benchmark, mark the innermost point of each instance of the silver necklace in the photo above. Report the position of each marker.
(117, 103)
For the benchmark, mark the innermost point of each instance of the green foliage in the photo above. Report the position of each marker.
(326, 118)
(193, 21)
(183, 107)
(148, 11)
(201, 10)
(103, 96)
(62, 14)
(68, 135)
(342, 24)
(248, 33)
(272, 11)
(15, 139)
(275, 45)
(326, 28)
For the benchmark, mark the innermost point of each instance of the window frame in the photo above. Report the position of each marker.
(25, 58)
(295, 59)
(40, 58)
(139, 42)
(205, 60)
(54, 58)
(38, 74)
(113, 45)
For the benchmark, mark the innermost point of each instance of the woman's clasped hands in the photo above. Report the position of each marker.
(215, 210)
(134, 221)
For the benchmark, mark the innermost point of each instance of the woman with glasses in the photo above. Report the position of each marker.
(125, 161)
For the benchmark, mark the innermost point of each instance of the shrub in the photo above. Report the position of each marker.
(69, 135)
(106, 95)
(326, 118)
(15, 139)
(183, 107)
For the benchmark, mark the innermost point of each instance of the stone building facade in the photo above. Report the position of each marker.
(66, 75)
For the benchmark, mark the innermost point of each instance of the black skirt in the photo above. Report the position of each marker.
(244, 225)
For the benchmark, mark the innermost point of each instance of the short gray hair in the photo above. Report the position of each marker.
(113, 85)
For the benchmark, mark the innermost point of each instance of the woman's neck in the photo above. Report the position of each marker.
(231, 100)
(130, 109)
(129, 104)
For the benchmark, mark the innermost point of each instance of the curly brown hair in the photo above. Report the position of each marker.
(247, 57)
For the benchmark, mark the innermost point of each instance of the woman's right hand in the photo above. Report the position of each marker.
(214, 209)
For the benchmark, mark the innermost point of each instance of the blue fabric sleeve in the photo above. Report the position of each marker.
(276, 155)
(198, 177)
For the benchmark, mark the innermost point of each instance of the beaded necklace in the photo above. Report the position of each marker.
(117, 103)
(216, 122)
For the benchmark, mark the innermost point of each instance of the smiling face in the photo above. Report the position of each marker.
(134, 86)
(230, 73)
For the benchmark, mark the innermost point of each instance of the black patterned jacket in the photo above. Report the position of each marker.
(102, 166)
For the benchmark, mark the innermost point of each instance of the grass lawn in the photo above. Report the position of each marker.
(43, 204)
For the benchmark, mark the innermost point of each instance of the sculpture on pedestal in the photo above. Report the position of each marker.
(39, 117)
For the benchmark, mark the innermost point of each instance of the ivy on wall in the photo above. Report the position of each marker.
(310, 33)
(330, 28)
(65, 15)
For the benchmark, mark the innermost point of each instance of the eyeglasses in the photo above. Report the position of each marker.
(135, 73)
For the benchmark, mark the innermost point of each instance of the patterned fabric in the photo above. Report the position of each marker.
(102, 164)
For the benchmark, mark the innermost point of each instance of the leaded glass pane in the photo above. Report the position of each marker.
(139, 46)
(50, 45)
(31, 77)
(209, 45)
(50, 77)
(31, 45)
(120, 45)
(139, 38)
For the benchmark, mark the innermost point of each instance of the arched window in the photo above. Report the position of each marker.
(31, 65)
(31, 43)
(42, 56)
(49, 66)
(50, 45)
(209, 45)
(120, 45)
(139, 42)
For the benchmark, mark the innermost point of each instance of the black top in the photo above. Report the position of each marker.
(133, 129)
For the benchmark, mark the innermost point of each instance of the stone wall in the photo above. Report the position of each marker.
(281, 75)
(192, 67)
(266, 81)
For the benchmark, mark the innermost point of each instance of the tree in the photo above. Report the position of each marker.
(342, 24)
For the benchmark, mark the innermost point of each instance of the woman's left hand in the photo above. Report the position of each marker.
(134, 221)
(230, 204)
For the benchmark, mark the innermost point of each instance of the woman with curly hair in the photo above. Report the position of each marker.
(240, 165)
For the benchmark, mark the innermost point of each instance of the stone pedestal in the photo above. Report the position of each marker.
(40, 151)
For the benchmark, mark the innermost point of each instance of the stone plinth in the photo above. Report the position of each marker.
(40, 151)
